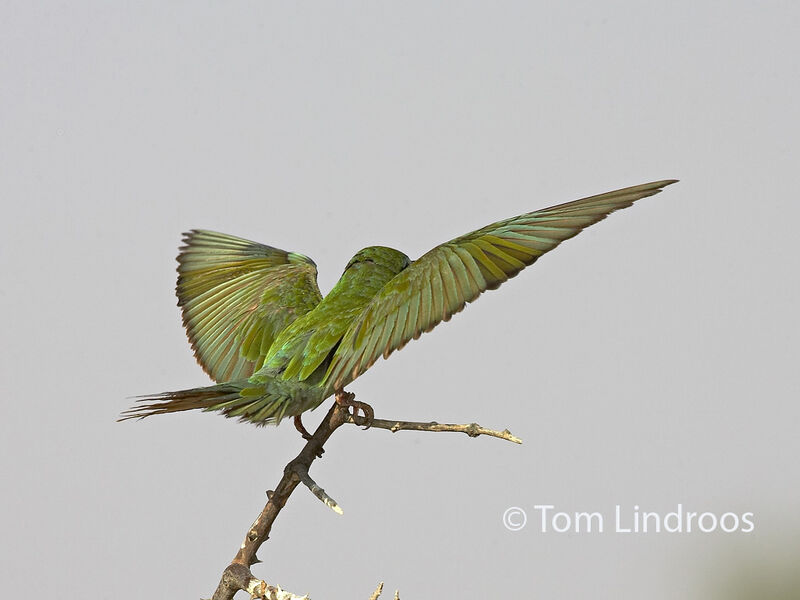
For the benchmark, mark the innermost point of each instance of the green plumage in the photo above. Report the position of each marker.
(259, 325)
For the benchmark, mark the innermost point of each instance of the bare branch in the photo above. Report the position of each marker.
(237, 575)
(471, 429)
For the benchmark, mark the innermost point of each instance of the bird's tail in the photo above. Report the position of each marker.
(235, 399)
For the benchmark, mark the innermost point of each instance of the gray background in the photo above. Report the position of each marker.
(650, 361)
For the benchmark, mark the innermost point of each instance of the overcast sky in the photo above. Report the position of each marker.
(650, 362)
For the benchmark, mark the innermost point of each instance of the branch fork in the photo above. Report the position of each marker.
(237, 575)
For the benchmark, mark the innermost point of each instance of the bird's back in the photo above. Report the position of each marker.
(303, 349)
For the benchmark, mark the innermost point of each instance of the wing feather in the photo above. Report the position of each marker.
(236, 296)
(400, 325)
(412, 321)
(442, 281)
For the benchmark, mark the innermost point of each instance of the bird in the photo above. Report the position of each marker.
(260, 327)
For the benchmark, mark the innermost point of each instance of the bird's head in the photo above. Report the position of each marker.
(381, 258)
(368, 271)
(378, 264)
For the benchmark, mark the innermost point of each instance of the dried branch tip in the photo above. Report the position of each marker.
(305, 478)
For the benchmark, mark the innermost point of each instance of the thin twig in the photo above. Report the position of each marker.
(306, 480)
(471, 429)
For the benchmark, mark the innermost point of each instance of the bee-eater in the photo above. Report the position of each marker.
(260, 327)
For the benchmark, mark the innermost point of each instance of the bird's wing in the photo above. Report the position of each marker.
(236, 296)
(442, 281)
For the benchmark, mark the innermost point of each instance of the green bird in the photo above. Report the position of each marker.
(260, 327)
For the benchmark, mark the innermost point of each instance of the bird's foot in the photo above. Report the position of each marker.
(347, 399)
(298, 424)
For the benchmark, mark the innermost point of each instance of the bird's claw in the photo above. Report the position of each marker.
(347, 399)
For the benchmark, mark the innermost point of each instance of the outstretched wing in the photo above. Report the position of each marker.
(441, 282)
(236, 296)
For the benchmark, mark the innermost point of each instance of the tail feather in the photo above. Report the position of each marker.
(235, 399)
